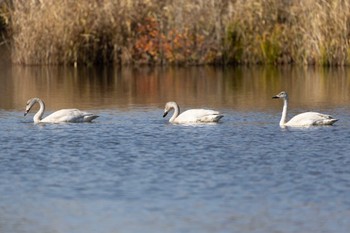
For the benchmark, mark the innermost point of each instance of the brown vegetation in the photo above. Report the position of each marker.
(4, 16)
(180, 32)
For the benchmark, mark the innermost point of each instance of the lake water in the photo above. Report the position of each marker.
(132, 171)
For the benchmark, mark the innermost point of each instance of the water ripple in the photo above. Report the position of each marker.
(133, 171)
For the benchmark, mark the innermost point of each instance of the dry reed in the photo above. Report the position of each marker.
(180, 32)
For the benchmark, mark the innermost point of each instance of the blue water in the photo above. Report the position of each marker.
(131, 171)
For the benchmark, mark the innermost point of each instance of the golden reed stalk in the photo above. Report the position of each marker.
(178, 31)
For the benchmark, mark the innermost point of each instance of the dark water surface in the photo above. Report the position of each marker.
(131, 171)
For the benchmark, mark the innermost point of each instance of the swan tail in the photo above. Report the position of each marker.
(330, 121)
(212, 118)
(90, 118)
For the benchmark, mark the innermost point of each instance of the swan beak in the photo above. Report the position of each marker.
(25, 113)
(165, 113)
(275, 97)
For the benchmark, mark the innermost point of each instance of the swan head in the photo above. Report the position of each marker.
(29, 105)
(169, 106)
(282, 95)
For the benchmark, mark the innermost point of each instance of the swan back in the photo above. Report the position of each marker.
(198, 116)
(192, 115)
(311, 118)
(69, 115)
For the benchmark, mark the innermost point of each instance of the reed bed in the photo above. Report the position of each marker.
(179, 31)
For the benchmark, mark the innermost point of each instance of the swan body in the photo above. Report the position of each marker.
(192, 115)
(64, 115)
(304, 119)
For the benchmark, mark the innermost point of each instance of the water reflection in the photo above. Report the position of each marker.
(243, 88)
(132, 170)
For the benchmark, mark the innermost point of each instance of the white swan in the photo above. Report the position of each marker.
(304, 119)
(192, 115)
(64, 115)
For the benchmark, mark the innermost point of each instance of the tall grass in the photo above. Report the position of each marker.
(4, 17)
(180, 31)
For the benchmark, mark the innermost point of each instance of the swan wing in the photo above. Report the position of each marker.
(198, 115)
(311, 118)
(69, 115)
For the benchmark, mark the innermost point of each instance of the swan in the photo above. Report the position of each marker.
(304, 119)
(192, 115)
(64, 115)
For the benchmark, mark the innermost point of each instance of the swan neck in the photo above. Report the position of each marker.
(176, 112)
(39, 115)
(284, 112)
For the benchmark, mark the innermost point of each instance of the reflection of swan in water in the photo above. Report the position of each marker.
(64, 115)
(192, 115)
(303, 119)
